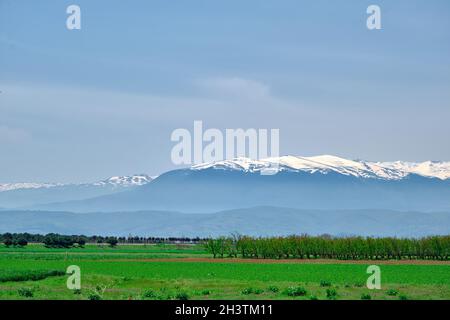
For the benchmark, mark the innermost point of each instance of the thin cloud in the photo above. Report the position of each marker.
(234, 87)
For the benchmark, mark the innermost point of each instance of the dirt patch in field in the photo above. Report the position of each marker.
(291, 261)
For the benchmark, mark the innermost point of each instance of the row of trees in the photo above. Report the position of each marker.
(15, 242)
(64, 241)
(327, 247)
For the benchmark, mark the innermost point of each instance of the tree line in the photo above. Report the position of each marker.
(328, 247)
(66, 241)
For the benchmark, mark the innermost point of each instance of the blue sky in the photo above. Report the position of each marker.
(87, 104)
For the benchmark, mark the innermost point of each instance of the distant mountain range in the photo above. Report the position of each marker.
(259, 221)
(324, 194)
(118, 181)
(13, 195)
(331, 164)
(324, 183)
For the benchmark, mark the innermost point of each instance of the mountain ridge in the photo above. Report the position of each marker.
(211, 190)
(253, 221)
(329, 163)
(125, 181)
(321, 182)
(23, 195)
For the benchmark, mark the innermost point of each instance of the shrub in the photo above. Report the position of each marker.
(273, 289)
(205, 292)
(403, 297)
(94, 296)
(25, 292)
(313, 297)
(258, 291)
(331, 294)
(182, 296)
(295, 291)
(8, 242)
(392, 292)
(149, 294)
(325, 283)
(77, 291)
(366, 296)
(247, 291)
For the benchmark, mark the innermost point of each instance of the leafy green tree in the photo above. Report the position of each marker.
(22, 242)
(112, 241)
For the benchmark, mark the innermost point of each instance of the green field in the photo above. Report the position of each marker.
(168, 272)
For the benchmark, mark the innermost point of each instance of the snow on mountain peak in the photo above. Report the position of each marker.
(126, 181)
(117, 181)
(434, 169)
(26, 185)
(328, 163)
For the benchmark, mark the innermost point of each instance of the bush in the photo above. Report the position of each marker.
(247, 291)
(182, 296)
(8, 242)
(366, 296)
(325, 283)
(205, 292)
(313, 297)
(94, 296)
(25, 292)
(258, 291)
(273, 289)
(149, 294)
(403, 297)
(392, 292)
(331, 294)
(295, 291)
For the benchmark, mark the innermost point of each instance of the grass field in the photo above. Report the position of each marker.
(189, 272)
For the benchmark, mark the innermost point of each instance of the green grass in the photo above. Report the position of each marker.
(130, 273)
(7, 275)
(338, 273)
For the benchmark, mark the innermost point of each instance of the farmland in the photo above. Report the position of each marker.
(169, 271)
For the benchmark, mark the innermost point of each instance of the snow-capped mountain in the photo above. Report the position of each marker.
(26, 185)
(118, 181)
(17, 195)
(326, 163)
(321, 182)
(308, 194)
(127, 181)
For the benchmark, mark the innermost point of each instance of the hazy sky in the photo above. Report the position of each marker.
(87, 104)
